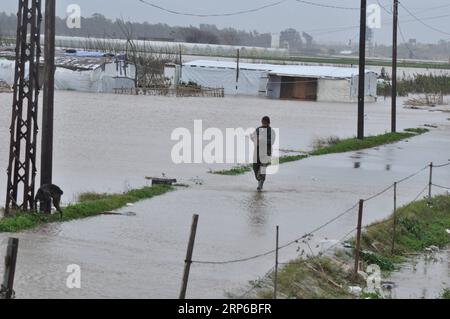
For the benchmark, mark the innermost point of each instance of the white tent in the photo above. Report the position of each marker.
(7, 71)
(332, 84)
(100, 78)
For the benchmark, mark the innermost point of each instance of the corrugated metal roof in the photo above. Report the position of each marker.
(282, 70)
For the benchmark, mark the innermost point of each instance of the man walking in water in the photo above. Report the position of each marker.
(263, 139)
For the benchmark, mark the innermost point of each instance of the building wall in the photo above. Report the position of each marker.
(370, 87)
(172, 73)
(249, 80)
(345, 90)
(331, 90)
(274, 87)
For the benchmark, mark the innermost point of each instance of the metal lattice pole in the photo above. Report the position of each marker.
(22, 155)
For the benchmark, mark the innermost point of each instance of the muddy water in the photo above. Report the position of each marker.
(109, 143)
(425, 276)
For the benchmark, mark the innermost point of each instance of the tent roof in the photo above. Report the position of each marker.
(282, 70)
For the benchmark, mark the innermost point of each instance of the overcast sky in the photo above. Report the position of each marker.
(325, 24)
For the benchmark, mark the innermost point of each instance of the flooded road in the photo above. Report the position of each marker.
(108, 143)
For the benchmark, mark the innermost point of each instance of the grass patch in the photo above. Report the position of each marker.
(291, 158)
(445, 294)
(90, 196)
(320, 143)
(308, 281)
(237, 170)
(418, 130)
(242, 169)
(420, 225)
(354, 144)
(90, 204)
(333, 145)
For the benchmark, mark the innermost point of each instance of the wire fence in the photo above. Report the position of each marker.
(305, 238)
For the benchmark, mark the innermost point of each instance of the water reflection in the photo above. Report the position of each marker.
(258, 208)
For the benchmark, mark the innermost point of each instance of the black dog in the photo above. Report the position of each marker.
(48, 193)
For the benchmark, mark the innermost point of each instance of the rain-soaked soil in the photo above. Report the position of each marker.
(108, 143)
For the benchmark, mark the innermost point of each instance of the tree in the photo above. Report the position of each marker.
(291, 39)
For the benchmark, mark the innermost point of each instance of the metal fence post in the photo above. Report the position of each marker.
(7, 291)
(188, 261)
(395, 219)
(358, 237)
(275, 285)
(430, 184)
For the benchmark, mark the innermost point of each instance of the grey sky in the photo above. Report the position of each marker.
(320, 22)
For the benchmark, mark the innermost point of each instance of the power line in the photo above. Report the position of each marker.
(354, 27)
(421, 10)
(326, 5)
(422, 22)
(405, 42)
(383, 7)
(213, 14)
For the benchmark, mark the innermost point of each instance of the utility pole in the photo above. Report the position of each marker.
(48, 101)
(394, 68)
(362, 68)
(22, 153)
(237, 69)
(181, 62)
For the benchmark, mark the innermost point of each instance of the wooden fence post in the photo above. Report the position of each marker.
(358, 237)
(10, 269)
(275, 285)
(188, 261)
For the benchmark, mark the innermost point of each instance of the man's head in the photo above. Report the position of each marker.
(265, 121)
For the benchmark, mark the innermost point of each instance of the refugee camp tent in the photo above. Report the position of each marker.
(75, 75)
(301, 82)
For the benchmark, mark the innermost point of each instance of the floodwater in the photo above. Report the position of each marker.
(109, 143)
(423, 277)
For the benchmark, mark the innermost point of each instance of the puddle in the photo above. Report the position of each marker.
(423, 277)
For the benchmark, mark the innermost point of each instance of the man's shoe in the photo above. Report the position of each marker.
(260, 185)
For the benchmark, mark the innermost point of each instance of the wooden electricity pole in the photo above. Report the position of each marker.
(188, 260)
(394, 68)
(362, 69)
(6, 290)
(48, 102)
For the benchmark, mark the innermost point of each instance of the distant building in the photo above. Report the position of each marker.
(275, 41)
(412, 42)
(309, 83)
